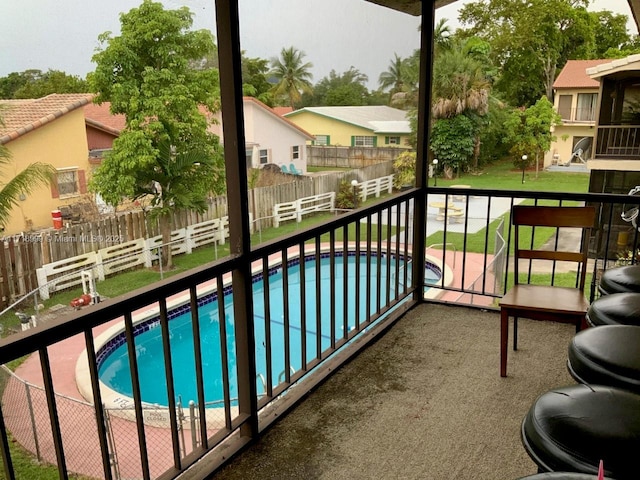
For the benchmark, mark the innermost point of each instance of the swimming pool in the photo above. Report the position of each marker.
(113, 363)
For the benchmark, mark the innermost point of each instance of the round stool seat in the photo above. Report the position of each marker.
(562, 476)
(570, 429)
(620, 279)
(615, 309)
(607, 355)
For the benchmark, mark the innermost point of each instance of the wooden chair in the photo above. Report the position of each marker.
(545, 302)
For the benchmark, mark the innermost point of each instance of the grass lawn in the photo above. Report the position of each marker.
(504, 176)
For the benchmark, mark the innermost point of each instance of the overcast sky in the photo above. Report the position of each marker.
(334, 34)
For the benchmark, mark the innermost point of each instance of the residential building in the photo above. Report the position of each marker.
(576, 101)
(368, 126)
(271, 138)
(49, 130)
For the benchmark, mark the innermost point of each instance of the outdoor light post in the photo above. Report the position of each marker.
(524, 165)
(435, 172)
(354, 184)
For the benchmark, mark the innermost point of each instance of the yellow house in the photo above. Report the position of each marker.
(576, 101)
(368, 126)
(48, 130)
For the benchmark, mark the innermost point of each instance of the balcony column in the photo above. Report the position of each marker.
(422, 150)
(229, 56)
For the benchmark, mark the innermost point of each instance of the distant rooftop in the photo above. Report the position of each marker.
(100, 116)
(574, 74)
(377, 118)
(23, 116)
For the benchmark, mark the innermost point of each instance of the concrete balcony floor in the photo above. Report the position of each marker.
(425, 401)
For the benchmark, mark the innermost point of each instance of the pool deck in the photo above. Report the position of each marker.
(64, 357)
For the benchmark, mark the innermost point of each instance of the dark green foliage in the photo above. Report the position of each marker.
(36, 84)
(345, 198)
(452, 143)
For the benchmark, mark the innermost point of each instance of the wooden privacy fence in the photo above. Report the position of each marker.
(350, 157)
(23, 254)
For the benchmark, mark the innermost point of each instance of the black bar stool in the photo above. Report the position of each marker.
(607, 355)
(570, 429)
(615, 309)
(620, 279)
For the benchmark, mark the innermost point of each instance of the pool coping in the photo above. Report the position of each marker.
(158, 415)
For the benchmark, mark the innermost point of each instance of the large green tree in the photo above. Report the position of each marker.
(36, 84)
(147, 74)
(32, 177)
(292, 75)
(347, 88)
(529, 132)
(255, 82)
(530, 41)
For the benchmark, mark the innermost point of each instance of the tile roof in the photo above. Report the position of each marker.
(100, 116)
(377, 118)
(23, 116)
(282, 110)
(574, 74)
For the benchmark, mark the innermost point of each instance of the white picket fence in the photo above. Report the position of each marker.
(373, 188)
(67, 273)
(295, 210)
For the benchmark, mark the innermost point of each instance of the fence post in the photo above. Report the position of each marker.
(192, 420)
(33, 421)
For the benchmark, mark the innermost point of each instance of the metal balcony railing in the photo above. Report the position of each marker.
(618, 142)
(300, 331)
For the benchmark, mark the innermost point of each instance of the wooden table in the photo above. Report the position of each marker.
(450, 209)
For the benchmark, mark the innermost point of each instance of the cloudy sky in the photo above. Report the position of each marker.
(334, 34)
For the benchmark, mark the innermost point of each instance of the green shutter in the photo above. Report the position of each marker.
(375, 141)
(329, 140)
(353, 141)
(386, 140)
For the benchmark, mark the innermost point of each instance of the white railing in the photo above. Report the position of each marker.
(373, 188)
(303, 206)
(136, 253)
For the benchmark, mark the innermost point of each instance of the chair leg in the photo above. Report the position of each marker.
(515, 333)
(504, 341)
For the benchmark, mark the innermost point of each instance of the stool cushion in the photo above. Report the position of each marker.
(620, 279)
(614, 309)
(572, 428)
(607, 355)
(562, 476)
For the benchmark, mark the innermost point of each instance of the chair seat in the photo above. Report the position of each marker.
(542, 298)
(607, 355)
(615, 309)
(620, 279)
(573, 428)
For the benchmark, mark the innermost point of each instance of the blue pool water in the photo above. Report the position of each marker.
(113, 358)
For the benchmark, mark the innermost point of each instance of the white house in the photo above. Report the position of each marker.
(271, 138)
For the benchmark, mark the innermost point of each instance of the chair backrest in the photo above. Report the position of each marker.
(558, 217)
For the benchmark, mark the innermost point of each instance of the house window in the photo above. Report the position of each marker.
(587, 103)
(322, 140)
(67, 183)
(264, 156)
(564, 106)
(295, 152)
(363, 141)
(392, 140)
(249, 154)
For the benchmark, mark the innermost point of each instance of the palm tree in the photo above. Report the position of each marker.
(394, 77)
(33, 176)
(293, 75)
(460, 83)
